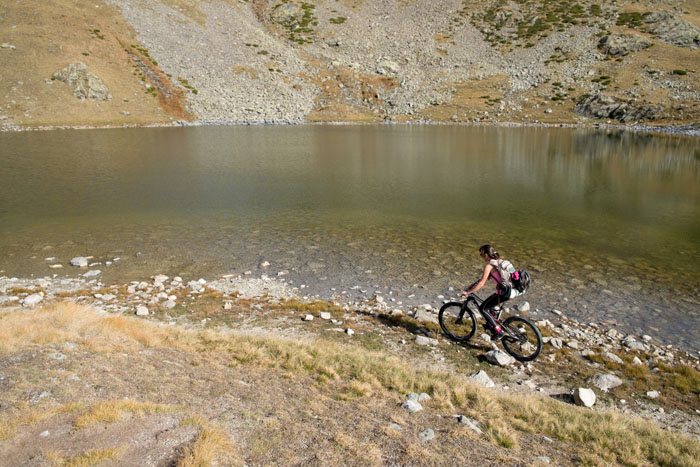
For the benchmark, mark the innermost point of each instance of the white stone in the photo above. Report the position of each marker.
(159, 279)
(611, 357)
(556, 342)
(79, 261)
(653, 394)
(93, 273)
(55, 266)
(349, 332)
(228, 305)
(169, 304)
(471, 424)
(646, 338)
(44, 434)
(483, 379)
(557, 312)
(141, 311)
(499, 357)
(524, 307)
(32, 299)
(423, 340)
(573, 344)
(412, 406)
(636, 361)
(423, 315)
(308, 318)
(606, 382)
(426, 435)
(584, 396)
(325, 315)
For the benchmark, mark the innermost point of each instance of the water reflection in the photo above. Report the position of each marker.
(615, 209)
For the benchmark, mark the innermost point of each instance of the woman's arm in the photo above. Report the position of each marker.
(482, 281)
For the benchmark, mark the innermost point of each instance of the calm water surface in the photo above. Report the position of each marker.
(608, 222)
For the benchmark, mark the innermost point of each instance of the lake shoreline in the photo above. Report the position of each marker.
(690, 129)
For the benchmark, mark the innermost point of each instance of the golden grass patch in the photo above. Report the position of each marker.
(112, 411)
(86, 459)
(211, 444)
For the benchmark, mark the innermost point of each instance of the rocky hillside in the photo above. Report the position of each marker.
(121, 62)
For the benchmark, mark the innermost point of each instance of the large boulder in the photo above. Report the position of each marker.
(623, 44)
(602, 106)
(672, 30)
(86, 85)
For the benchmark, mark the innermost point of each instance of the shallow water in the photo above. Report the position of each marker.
(607, 222)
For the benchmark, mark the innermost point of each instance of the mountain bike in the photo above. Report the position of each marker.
(521, 338)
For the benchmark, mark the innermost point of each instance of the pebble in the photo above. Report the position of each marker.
(141, 311)
(325, 315)
(79, 261)
(308, 318)
(93, 273)
(557, 312)
(44, 433)
(653, 394)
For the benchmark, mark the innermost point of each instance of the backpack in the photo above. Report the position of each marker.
(511, 277)
(520, 280)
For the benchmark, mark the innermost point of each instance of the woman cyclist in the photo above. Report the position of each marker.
(503, 293)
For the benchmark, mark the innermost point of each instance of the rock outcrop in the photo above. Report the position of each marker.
(672, 30)
(86, 85)
(602, 106)
(623, 44)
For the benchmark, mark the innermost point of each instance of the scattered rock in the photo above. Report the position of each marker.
(606, 382)
(584, 397)
(556, 342)
(349, 332)
(423, 340)
(499, 357)
(573, 344)
(412, 406)
(325, 315)
(79, 261)
(636, 360)
(308, 318)
(32, 299)
(611, 357)
(523, 307)
(86, 85)
(141, 311)
(169, 304)
(426, 435)
(653, 394)
(557, 312)
(483, 379)
(93, 273)
(471, 424)
(395, 426)
(424, 315)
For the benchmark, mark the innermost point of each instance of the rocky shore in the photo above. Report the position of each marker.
(615, 362)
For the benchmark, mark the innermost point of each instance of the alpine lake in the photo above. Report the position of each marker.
(606, 222)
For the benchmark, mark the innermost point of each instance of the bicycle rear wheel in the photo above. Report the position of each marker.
(457, 320)
(522, 339)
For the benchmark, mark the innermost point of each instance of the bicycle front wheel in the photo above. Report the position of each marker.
(458, 320)
(522, 339)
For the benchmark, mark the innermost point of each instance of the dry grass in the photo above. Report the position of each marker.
(86, 459)
(23, 415)
(210, 445)
(110, 412)
(602, 437)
